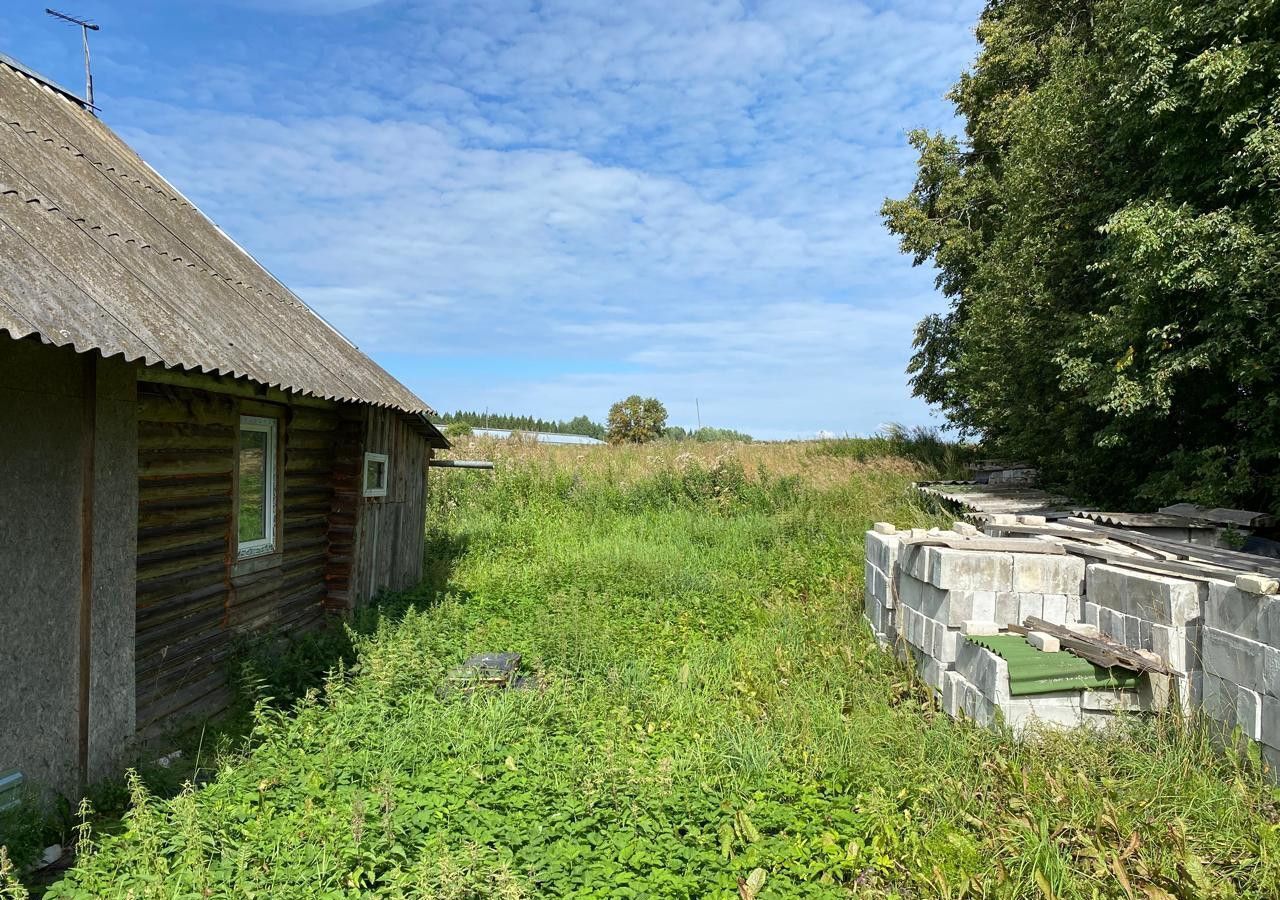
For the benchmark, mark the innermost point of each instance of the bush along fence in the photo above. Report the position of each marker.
(1066, 624)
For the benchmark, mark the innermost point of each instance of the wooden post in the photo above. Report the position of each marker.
(89, 427)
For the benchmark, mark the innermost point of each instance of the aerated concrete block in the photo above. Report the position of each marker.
(987, 672)
(930, 671)
(1007, 609)
(1162, 600)
(964, 529)
(977, 707)
(979, 628)
(1045, 574)
(1144, 634)
(1045, 643)
(1177, 646)
(1218, 699)
(954, 607)
(1271, 721)
(1271, 671)
(1112, 701)
(1055, 609)
(882, 550)
(1272, 757)
(1131, 632)
(952, 693)
(1254, 616)
(1091, 614)
(884, 528)
(982, 606)
(1258, 584)
(1234, 658)
(1249, 712)
(915, 560)
(1058, 710)
(1030, 605)
(1109, 621)
(910, 590)
(970, 569)
(946, 645)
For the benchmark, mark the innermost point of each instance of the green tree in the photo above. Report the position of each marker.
(1106, 233)
(636, 420)
(584, 425)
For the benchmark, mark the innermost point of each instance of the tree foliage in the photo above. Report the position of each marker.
(706, 435)
(1107, 234)
(636, 420)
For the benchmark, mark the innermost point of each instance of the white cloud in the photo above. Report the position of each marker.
(686, 192)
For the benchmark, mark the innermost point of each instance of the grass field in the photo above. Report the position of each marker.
(713, 720)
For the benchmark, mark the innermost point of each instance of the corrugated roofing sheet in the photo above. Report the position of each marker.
(99, 252)
(1140, 520)
(1032, 671)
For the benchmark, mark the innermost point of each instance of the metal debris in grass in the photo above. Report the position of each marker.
(487, 671)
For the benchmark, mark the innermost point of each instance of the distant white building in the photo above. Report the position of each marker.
(542, 437)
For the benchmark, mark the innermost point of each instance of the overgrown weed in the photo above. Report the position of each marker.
(708, 703)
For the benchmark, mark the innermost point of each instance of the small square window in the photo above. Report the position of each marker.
(256, 486)
(375, 474)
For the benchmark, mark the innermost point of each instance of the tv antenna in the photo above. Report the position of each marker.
(85, 27)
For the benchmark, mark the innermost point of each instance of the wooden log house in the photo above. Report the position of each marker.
(188, 454)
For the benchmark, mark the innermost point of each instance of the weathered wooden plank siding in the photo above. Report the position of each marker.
(390, 530)
(191, 604)
(344, 511)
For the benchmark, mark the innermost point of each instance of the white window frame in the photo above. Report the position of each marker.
(386, 474)
(271, 428)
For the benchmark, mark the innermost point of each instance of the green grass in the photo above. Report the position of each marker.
(710, 705)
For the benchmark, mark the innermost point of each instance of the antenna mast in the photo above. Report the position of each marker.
(85, 27)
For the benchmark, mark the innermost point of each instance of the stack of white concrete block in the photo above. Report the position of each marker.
(1221, 639)
(924, 600)
(929, 596)
(880, 603)
(944, 593)
(1240, 649)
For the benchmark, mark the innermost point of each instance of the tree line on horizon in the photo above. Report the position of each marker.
(576, 425)
(633, 420)
(1105, 231)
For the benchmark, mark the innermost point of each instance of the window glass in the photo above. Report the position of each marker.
(375, 474)
(253, 511)
(256, 486)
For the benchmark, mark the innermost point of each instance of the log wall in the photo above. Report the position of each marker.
(193, 597)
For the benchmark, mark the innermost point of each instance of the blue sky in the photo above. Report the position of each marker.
(541, 207)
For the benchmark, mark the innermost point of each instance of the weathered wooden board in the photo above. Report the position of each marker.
(387, 545)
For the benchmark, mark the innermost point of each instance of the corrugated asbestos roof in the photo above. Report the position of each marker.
(1034, 672)
(99, 252)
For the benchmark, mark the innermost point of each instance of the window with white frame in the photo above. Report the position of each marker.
(256, 498)
(375, 474)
